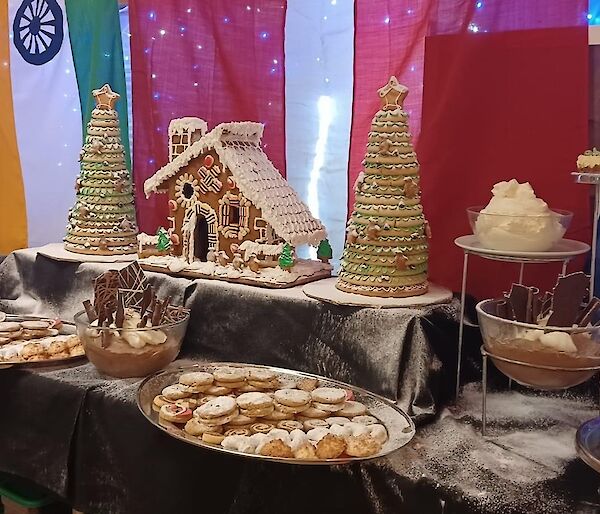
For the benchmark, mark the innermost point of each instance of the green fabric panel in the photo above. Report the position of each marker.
(95, 35)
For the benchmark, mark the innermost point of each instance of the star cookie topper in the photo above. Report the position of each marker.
(392, 95)
(105, 97)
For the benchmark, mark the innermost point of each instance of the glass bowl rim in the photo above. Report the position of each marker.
(80, 320)
(562, 213)
(568, 330)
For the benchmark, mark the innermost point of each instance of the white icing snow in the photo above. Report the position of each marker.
(180, 126)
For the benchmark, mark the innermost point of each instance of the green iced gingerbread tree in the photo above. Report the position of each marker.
(286, 259)
(164, 242)
(324, 251)
(103, 221)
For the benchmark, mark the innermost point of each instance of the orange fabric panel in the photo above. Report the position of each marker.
(13, 215)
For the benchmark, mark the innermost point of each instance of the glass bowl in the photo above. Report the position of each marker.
(525, 233)
(109, 350)
(515, 349)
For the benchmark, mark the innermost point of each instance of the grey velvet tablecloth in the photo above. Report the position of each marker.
(397, 353)
(81, 435)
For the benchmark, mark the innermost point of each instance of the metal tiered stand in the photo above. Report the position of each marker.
(564, 251)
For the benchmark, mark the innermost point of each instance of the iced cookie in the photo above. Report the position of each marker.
(254, 400)
(261, 375)
(292, 397)
(313, 412)
(196, 381)
(337, 420)
(352, 409)
(221, 406)
(229, 375)
(9, 326)
(277, 448)
(258, 413)
(309, 424)
(176, 392)
(328, 395)
(35, 325)
(328, 407)
(219, 420)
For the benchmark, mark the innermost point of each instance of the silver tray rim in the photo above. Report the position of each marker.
(180, 434)
(46, 362)
(584, 453)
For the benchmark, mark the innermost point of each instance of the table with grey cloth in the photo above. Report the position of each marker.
(80, 434)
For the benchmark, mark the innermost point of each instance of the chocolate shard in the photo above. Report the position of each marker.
(589, 315)
(134, 283)
(105, 335)
(568, 296)
(90, 311)
(520, 300)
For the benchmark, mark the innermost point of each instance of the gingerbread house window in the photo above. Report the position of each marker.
(234, 212)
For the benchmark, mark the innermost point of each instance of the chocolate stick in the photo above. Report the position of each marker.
(90, 311)
(120, 314)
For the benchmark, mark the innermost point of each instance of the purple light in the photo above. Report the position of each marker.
(150, 161)
(146, 50)
(152, 15)
(156, 96)
(181, 29)
(479, 5)
(273, 70)
(386, 19)
(264, 35)
(226, 20)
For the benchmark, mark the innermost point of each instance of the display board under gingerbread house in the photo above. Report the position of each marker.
(232, 215)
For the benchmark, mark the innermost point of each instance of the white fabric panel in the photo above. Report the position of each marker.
(48, 125)
(319, 58)
(126, 38)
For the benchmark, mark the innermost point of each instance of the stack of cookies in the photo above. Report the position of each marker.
(36, 340)
(253, 410)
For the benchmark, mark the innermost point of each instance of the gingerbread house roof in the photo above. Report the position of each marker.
(238, 146)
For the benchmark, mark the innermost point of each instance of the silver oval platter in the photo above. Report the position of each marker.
(65, 329)
(400, 428)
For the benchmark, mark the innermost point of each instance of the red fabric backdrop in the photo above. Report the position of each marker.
(220, 61)
(500, 106)
(505, 97)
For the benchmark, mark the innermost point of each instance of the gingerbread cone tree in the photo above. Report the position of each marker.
(103, 222)
(386, 243)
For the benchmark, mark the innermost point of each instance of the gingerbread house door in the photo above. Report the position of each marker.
(199, 230)
(201, 238)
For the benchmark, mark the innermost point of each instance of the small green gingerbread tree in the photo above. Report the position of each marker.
(286, 259)
(164, 242)
(324, 251)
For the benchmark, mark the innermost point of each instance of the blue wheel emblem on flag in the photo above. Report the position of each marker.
(38, 30)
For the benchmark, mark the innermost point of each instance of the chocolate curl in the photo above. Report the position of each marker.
(163, 310)
(587, 315)
(90, 311)
(120, 314)
(156, 313)
(105, 335)
(144, 321)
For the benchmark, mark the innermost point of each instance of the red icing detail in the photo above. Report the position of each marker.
(174, 239)
(209, 160)
(172, 205)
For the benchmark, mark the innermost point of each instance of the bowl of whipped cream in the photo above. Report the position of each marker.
(516, 220)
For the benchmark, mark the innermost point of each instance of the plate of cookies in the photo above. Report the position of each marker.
(35, 341)
(273, 414)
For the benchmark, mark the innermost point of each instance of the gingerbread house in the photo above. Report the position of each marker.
(226, 196)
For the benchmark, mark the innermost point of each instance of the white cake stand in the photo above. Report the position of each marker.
(57, 252)
(564, 251)
(325, 291)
